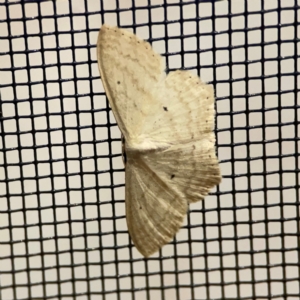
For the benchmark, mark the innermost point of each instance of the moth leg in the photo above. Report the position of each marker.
(124, 158)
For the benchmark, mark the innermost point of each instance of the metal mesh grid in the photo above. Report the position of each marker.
(63, 233)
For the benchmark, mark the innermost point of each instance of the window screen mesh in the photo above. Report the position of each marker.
(63, 232)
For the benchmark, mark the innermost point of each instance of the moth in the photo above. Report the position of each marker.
(167, 123)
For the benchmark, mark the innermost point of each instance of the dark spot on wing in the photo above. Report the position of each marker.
(172, 176)
(165, 108)
(118, 82)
